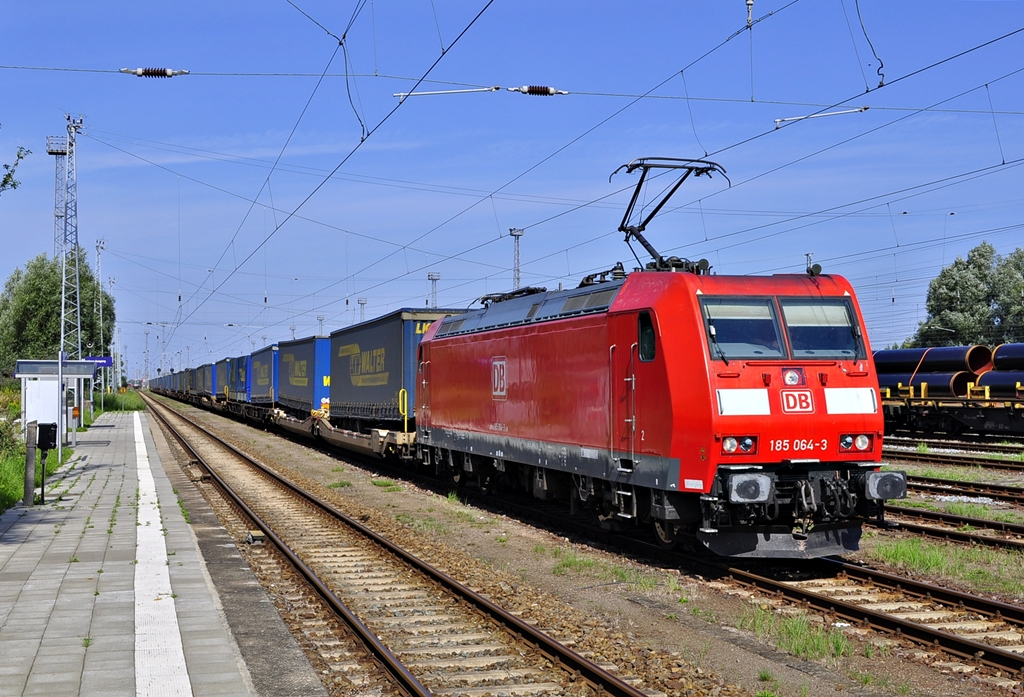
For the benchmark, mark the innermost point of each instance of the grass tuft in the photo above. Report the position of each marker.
(796, 635)
(982, 568)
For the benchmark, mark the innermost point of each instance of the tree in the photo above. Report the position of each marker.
(30, 307)
(8, 181)
(1009, 297)
(978, 300)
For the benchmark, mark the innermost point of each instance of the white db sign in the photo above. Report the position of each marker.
(499, 378)
(797, 402)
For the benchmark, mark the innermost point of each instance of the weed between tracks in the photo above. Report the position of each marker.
(982, 569)
(967, 510)
(796, 635)
(427, 524)
(957, 474)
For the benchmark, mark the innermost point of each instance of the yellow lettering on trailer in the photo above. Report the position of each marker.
(366, 368)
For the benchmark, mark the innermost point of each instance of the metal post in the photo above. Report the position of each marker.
(61, 406)
(74, 405)
(516, 233)
(100, 246)
(30, 463)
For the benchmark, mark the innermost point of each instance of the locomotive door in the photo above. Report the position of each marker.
(422, 409)
(623, 422)
(632, 378)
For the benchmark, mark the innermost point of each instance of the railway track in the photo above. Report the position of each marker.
(951, 487)
(979, 631)
(894, 454)
(972, 445)
(430, 633)
(975, 632)
(947, 526)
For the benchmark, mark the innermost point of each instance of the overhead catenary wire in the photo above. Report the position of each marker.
(912, 73)
(477, 247)
(348, 156)
(492, 199)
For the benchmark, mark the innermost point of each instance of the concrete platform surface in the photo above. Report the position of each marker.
(104, 590)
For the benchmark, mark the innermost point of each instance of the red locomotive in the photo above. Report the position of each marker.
(742, 410)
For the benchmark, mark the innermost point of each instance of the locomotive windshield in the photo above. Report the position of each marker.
(822, 328)
(743, 328)
(751, 328)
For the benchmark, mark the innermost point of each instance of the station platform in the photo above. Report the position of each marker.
(106, 589)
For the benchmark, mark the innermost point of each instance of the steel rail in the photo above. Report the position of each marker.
(895, 454)
(390, 663)
(935, 485)
(604, 682)
(951, 643)
(959, 534)
(958, 646)
(977, 446)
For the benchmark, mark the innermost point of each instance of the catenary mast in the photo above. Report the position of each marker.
(65, 237)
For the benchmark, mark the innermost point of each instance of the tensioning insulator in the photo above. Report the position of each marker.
(153, 72)
(537, 90)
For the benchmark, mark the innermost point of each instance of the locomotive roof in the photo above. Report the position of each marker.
(596, 298)
(537, 307)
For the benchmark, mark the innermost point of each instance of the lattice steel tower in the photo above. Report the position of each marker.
(433, 277)
(65, 237)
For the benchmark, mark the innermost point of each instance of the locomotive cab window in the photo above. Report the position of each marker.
(822, 328)
(742, 328)
(646, 337)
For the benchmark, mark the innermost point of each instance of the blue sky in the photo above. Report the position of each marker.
(193, 181)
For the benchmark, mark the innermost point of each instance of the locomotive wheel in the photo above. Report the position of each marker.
(488, 482)
(458, 477)
(667, 533)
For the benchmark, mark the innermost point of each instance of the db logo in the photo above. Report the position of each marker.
(499, 378)
(797, 401)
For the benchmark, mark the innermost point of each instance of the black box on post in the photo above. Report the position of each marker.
(47, 437)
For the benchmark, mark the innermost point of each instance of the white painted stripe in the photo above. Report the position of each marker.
(743, 402)
(850, 400)
(159, 658)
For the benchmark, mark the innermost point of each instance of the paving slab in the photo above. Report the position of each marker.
(69, 572)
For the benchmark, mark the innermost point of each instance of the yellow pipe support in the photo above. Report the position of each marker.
(403, 408)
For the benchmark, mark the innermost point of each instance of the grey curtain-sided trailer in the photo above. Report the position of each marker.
(373, 381)
(373, 362)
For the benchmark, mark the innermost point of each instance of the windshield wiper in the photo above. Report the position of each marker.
(714, 340)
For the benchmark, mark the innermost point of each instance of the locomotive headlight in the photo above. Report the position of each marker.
(749, 487)
(846, 442)
(747, 444)
(729, 445)
(791, 377)
(881, 486)
(862, 442)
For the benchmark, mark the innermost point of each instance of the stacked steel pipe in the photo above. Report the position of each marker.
(1007, 372)
(946, 370)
